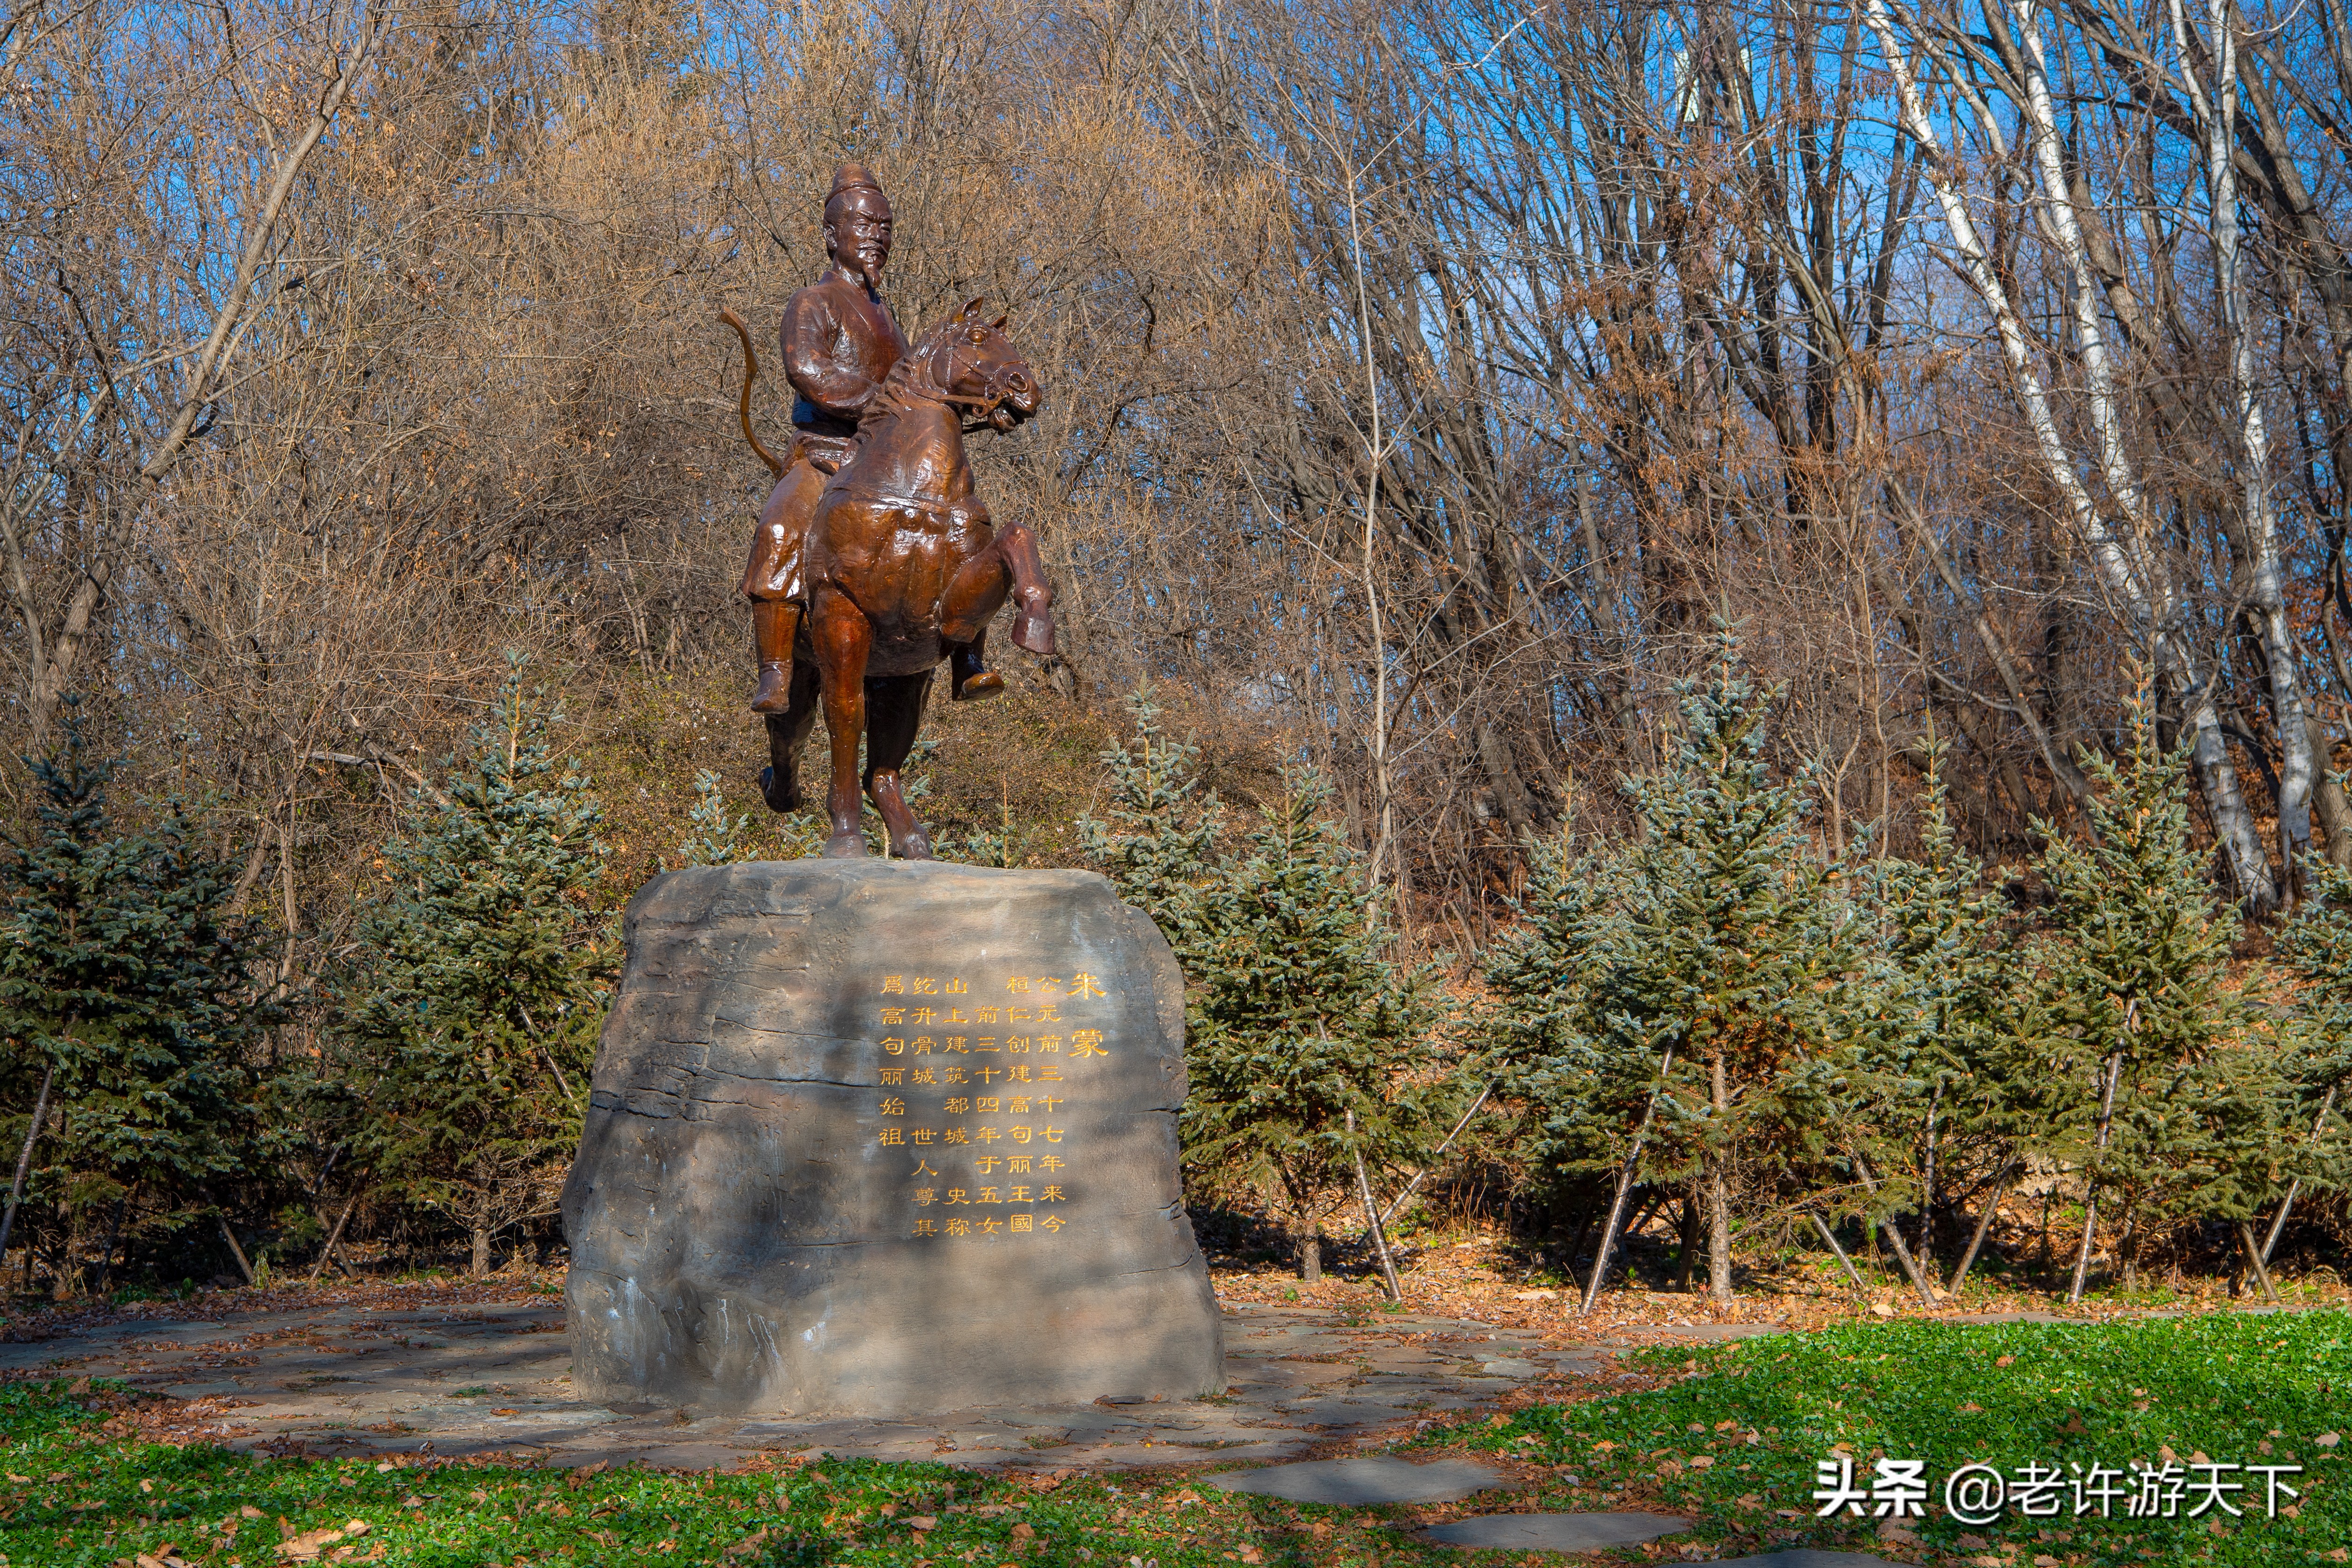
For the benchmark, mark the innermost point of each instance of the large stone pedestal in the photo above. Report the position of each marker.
(886, 1138)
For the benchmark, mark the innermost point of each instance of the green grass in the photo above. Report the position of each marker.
(86, 1506)
(2223, 1384)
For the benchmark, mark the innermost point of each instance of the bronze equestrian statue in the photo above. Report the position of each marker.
(874, 561)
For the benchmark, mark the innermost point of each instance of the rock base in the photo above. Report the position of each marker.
(881, 1138)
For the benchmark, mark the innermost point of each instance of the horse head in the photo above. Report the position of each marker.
(977, 368)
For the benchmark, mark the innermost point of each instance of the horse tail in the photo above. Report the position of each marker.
(743, 407)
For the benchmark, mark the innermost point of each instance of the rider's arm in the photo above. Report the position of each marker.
(811, 331)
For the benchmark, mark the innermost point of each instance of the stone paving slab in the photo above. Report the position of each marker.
(1359, 1483)
(496, 1379)
(1556, 1532)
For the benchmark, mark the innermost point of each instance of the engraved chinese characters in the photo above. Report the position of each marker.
(1015, 1080)
(818, 1176)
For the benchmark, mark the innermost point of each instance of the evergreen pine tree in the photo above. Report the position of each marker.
(1708, 968)
(121, 971)
(2317, 947)
(1158, 839)
(714, 835)
(1574, 932)
(1308, 1048)
(470, 1014)
(1299, 1027)
(2134, 976)
(1940, 1089)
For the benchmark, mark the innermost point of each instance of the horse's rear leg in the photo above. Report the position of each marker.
(972, 598)
(968, 677)
(779, 780)
(842, 638)
(895, 710)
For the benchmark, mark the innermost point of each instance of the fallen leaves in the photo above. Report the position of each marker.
(311, 1545)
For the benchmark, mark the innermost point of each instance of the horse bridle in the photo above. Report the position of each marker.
(979, 411)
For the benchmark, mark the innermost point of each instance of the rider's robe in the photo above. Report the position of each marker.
(839, 342)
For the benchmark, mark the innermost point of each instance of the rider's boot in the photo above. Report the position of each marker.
(969, 676)
(774, 623)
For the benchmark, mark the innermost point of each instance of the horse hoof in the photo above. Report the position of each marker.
(1034, 632)
(787, 798)
(846, 847)
(915, 847)
(987, 684)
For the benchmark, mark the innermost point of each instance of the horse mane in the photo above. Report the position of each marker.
(909, 383)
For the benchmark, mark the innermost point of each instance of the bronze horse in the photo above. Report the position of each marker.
(903, 567)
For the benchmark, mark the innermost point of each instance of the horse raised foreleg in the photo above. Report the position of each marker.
(1033, 599)
(894, 715)
(842, 638)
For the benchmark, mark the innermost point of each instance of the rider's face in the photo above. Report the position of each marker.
(859, 234)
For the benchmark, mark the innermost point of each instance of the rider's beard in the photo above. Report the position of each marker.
(870, 267)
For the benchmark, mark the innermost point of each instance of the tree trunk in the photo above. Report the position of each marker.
(114, 1234)
(2141, 581)
(1719, 1235)
(24, 1160)
(482, 1259)
(1690, 1248)
(2328, 799)
(1575, 1248)
(1308, 1240)
(1718, 1201)
(2217, 113)
(64, 1279)
(1926, 1247)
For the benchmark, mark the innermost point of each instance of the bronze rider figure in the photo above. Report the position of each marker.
(839, 342)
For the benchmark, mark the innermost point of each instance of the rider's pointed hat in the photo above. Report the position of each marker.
(852, 177)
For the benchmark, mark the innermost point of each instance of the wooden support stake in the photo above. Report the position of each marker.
(1372, 1215)
(1822, 1226)
(1624, 1186)
(2255, 1256)
(1984, 1223)
(333, 1237)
